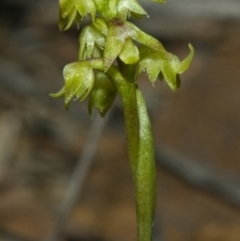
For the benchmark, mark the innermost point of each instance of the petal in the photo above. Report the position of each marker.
(129, 53)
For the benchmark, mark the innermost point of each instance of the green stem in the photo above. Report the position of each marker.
(127, 91)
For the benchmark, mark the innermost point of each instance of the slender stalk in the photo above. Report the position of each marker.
(127, 91)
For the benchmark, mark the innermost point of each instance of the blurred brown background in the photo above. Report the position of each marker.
(197, 131)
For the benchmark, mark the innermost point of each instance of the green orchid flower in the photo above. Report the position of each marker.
(122, 9)
(79, 82)
(119, 43)
(92, 39)
(70, 10)
(161, 64)
(89, 39)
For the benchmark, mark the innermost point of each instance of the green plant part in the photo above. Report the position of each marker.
(74, 10)
(113, 53)
(161, 64)
(102, 95)
(79, 81)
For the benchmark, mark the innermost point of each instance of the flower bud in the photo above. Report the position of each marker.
(102, 95)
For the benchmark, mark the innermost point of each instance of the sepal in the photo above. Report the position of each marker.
(143, 38)
(184, 65)
(114, 44)
(59, 94)
(64, 23)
